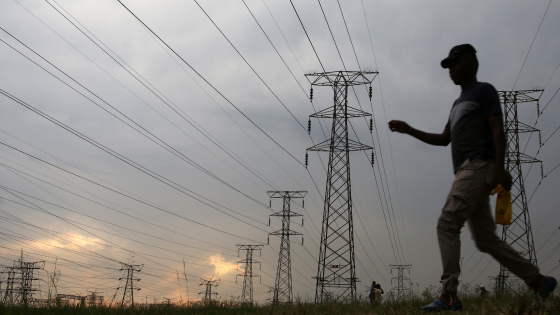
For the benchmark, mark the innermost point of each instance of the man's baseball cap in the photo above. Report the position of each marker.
(456, 52)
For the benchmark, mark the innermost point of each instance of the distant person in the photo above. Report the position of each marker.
(372, 293)
(483, 292)
(476, 131)
(378, 293)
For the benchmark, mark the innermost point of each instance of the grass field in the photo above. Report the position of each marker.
(510, 304)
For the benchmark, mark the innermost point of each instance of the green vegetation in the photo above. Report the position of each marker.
(506, 304)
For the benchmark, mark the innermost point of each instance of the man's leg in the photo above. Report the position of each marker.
(449, 239)
(469, 190)
(483, 230)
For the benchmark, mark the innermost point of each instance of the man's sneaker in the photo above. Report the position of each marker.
(543, 294)
(437, 305)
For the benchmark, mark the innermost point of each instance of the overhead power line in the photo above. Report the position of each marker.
(159, 141)
(183, 115)
(151, 219)
(248, 64)
(308, 38)
(531, 47)
(377, 134)
(122, 194)
(212, 86)
(135, 165)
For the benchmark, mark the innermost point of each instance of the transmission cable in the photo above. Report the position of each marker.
(342, 60)
(388, 138)
(248, 64)
(300, 22)
(547, 240)
(76, 223)
(126, 160)
(189, 161)
(125, 195)
(207, 82)
(130, 193)
(349, 37)
(391, 238)
(100, 204)
(105, 221)
(296, 81)
(198, 127)
(336, 45)
(538, 29)
(549, 102)
(163, 144)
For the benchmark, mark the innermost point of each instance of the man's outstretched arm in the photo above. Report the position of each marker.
(440, 139)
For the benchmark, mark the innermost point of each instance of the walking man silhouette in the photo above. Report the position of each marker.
(475, 130)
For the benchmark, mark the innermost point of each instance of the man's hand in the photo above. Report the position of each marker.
(399, 126)
(442, 139)
(503, 177)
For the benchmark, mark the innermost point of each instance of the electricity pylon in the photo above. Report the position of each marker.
(128, 294)
(400, 281)
(282, 292)
(336, 273)
(248, 275)
(208, 291)
(26, 286)
(22, 294)
(519, 233)
(9, 297)
(94, 299)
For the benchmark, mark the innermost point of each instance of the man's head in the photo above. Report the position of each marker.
(462, 64)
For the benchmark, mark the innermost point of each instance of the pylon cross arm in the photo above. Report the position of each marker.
(284, 232)
(522, 96)
(343, 77)
(325, 146)
(351, 112)
(523, 158)
(287, 214)
(287, 193)
(521, 128)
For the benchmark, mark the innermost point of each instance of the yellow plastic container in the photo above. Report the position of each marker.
(503, 205)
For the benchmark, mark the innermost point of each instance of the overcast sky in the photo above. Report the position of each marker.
(198, 140)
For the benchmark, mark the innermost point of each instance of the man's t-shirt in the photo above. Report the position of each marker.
(471, 136)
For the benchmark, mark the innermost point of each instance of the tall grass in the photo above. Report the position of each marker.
(500, 304)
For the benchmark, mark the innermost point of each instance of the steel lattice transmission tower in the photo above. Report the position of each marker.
(208, 291)
(22, 272)
(248, 275)
(336, 273)
(9, 297)
(282, 292)
(519, 233)
(26, 287)
(128, 294)
(400, 282)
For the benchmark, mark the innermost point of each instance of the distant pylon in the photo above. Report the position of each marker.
(128, 294)
(208, 288)
(10, 295)
(519, 233)
(336, 272)
(248, 275)
(26, 286)
(21, 273)
(400, 280)
(282, 292)
(94, 299)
